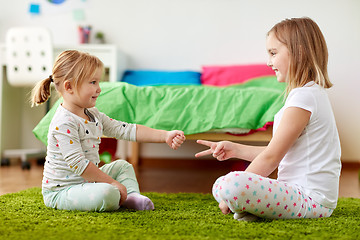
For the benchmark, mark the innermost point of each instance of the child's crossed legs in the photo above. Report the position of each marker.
(265, 197)
(101, 196)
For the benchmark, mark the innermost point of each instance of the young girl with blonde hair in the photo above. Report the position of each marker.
(72, 179)
(305, 145)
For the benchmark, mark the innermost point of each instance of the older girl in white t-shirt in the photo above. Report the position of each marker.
(305, 145)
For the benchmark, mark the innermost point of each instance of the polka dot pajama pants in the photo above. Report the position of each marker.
(265, 197)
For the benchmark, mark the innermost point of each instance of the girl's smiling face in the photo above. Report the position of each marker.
(279, 57)
(89, 90)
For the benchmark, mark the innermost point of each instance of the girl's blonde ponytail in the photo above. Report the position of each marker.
(41, 92)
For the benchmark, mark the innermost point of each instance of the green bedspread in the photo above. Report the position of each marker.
(192, 108)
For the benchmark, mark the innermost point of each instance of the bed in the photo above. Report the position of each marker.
(238, 111)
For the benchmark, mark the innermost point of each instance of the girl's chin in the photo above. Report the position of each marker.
(280, 79)
(91, 105)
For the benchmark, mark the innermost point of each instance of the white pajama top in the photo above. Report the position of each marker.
(73, 142)
(313, 162)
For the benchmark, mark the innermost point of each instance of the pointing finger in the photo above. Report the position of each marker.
(204, 153)
(205, 142)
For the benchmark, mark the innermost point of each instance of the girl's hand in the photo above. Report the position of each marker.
(122, 190)
(175, 138)
(220, 150)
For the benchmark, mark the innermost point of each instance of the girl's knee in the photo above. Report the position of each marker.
(124, 167)
(100, 197)
(116, 166)
(233, 184)
(122, 163)
(108, 199)
(215, 189)
(238, 175)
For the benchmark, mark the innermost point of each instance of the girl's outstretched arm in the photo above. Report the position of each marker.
(225, 149)
(292, 124)
(264, 160)
(173, 138)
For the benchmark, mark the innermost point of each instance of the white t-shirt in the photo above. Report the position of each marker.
(73, 142)
(313, 162)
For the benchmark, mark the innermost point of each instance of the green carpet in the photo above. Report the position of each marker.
(177, 216)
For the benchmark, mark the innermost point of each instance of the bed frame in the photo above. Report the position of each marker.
(260, 136)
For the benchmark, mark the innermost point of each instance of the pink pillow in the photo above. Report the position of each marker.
(228, 75)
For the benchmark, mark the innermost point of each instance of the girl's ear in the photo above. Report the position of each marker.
(68, 87)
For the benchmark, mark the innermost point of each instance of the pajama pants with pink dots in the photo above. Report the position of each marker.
(265, 197)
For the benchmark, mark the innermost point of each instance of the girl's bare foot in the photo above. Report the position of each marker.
(224, 208)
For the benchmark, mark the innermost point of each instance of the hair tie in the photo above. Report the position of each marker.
(51, 79)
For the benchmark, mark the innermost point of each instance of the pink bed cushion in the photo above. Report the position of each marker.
(229, 75)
